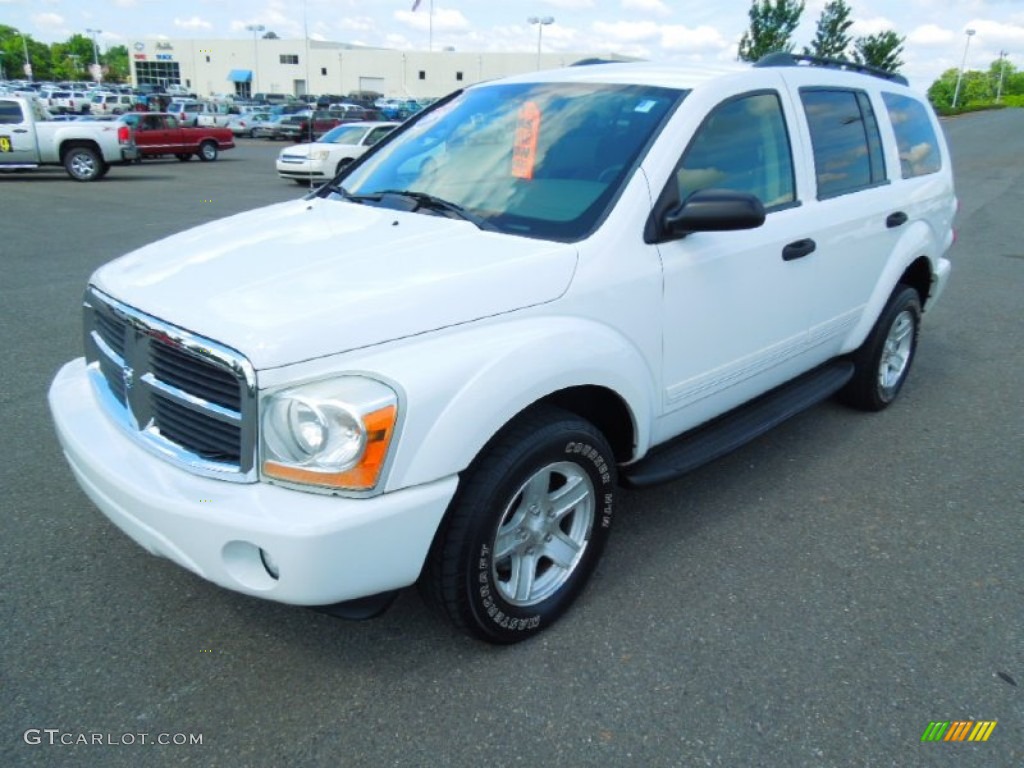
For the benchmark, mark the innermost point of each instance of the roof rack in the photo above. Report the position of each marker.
(783, 59)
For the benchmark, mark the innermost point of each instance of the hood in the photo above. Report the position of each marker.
(309, 278)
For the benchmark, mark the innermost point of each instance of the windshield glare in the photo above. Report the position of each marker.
(539, 159)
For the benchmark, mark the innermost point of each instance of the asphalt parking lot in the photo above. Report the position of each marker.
(815, 599)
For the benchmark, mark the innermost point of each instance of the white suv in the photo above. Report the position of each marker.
(535, 290)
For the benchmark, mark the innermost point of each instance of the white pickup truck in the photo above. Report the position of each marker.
(29, 139)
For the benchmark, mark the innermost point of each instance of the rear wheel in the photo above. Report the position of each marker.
(526, 528)
(207, 151)
(84, 164)
(883, 361)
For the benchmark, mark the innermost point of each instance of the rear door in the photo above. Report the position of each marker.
(853, 204)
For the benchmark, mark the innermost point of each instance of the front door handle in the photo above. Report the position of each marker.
(799, 249)
(897, 219)
(20, 130)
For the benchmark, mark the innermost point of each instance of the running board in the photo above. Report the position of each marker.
(731, 430)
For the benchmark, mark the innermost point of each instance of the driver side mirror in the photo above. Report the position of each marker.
(713, 210)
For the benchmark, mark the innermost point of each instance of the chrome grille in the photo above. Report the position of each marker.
(188, 399)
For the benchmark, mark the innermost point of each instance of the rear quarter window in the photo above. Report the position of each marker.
(915, 136)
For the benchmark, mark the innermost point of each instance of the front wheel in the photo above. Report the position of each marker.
(84, 164)
(207, 151)
(882, 363)
(526, 528)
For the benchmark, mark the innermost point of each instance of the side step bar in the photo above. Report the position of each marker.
(731, 430)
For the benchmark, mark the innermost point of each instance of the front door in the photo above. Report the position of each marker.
(735, 318)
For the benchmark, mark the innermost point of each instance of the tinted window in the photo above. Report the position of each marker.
(919, 148)
(845, 138)
(743, 145)
(10, 113)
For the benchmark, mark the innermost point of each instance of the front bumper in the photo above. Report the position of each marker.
(325, 549)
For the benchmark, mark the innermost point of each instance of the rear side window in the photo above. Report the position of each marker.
(919, 148)
(847, 144)
(743, 145)
(10, 113)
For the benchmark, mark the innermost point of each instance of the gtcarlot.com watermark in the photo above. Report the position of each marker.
(57, 737)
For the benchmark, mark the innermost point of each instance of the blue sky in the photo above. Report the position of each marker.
(664, 30)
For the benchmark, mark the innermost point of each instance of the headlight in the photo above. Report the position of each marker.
(319, 155)
(333, 433)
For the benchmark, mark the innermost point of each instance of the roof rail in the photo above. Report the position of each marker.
(783, 59)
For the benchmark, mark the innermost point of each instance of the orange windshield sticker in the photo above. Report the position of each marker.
(524, 148)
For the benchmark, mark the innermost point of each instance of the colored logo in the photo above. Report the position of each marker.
(958, 730)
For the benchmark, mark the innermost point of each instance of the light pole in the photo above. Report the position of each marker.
(541, 22)
(1002, 73)
(97, 74)
(960, 76)
(28, 62)
(255, 29)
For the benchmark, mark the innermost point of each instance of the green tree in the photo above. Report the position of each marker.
(881, 50)
(831, 40)
(116, 60)
(772, 23)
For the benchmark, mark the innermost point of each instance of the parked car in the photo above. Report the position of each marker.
(69, 102)
(105, 103)
(187, 111)
(326, 157)
(159, 133)
(245, 124)
(267, 127)
(537, 290)
(306, 126)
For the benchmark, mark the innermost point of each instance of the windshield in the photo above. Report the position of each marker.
(343, 134)
(537, 159)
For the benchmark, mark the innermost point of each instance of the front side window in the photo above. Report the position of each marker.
(742, 145)
(845, 138)
(540, 160)
(915, 136)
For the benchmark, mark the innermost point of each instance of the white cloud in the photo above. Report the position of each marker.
(657, 7)
(930, 34)
(676, 37)
(571, 5)
(48, 20)
(865, 27)
(195, 23)
(628, 31)
(445, 20)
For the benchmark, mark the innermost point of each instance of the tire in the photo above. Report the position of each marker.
(208, 151)
(882, 363)
(526, 528)
(342, 164)
(84, 164)
(184, 157)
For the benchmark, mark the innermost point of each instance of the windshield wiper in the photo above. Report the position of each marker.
(432, 203)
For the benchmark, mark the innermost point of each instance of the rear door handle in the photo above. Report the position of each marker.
(798, 250)
(897, 219)
(20, 130)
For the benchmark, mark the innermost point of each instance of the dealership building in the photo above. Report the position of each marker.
(298, 67)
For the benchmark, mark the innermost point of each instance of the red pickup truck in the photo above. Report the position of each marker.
(159, 133)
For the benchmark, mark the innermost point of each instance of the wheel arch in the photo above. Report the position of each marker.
(458, 390)
(911, 263)
(68, 144)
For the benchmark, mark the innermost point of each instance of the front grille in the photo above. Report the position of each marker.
(186, 398)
